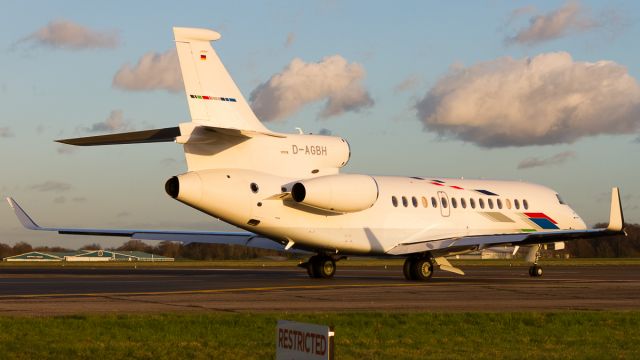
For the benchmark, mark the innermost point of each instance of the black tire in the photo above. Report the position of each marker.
(310, 270)
(323, 267)
(535, 271)
(406, 268)
(422, 269)
(311, 267)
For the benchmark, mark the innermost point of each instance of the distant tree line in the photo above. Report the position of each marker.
(613, 246)
(194, 251)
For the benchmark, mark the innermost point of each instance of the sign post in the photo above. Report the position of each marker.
(301, 341)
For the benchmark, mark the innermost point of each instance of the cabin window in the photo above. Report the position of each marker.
(516, 203)
(414, 201)
(508, 203)
(454, 203)
(499, 203)
(481, 203)
(463, 203)
(434, 203)
(443, 200)
(525, 204)
(425, 202)
(405, 203)
(560, 199)
(473, 203)
(490, 202)
(394, 201)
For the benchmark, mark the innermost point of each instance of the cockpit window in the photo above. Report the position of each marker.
(560, 200)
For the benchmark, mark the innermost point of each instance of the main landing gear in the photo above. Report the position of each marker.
(418, 267)
(320, 266)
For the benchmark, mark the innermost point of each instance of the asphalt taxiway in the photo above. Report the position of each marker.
(60, 291)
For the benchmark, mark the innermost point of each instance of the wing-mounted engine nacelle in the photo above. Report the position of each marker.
(342, 193)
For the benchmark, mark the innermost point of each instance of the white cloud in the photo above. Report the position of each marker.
(51, 185)
(570, 18)
(115, 122)
(552, 160)
(332, 79)
(5, 132)
(152, 72)
(547, 99)
(69, 35)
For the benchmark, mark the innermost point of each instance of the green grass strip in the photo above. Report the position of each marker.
(367, 335)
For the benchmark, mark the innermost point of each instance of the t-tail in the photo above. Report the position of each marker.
(213, 97)
(224, 132)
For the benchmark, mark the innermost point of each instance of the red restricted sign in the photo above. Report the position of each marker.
(302, 341)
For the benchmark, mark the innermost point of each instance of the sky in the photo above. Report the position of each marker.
(545, 92)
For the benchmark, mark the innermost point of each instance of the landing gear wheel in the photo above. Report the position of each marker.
(324, 267)
(321, 267)
(418, 268)
(406, 268)
(310, 271)
(422, 269)
(535, 271)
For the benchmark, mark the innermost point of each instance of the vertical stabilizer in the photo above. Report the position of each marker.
(213, 97)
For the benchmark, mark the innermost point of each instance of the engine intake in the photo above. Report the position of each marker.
(342, 193)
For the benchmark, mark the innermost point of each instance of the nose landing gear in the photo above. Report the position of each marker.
(535, 270)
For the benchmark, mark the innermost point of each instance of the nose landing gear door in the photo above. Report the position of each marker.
(444, 204)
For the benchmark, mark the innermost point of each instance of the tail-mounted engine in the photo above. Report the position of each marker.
(343, 193)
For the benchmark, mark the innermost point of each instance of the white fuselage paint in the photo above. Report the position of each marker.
(226, 194)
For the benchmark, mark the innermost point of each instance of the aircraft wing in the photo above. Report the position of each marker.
(616, 225)
(209, 237)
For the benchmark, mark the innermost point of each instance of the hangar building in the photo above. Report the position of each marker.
(88, 255)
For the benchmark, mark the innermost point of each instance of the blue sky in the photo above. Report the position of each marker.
(420, 63)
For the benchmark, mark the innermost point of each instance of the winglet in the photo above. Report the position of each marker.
(616, 219)
(22, 216)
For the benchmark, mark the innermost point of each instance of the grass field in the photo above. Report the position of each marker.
(256, 263)
(577, 335)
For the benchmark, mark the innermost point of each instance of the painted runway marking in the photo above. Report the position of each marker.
(212, 291)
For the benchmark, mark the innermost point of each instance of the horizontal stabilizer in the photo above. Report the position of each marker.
(135, 137)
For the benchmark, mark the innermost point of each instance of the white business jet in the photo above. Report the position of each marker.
(287, 191)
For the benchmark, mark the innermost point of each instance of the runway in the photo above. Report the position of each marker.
(62, 291)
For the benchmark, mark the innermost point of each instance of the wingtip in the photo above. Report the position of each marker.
(616, 217)
(22, 216)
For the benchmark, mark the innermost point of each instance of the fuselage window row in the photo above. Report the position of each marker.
(463, 203)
